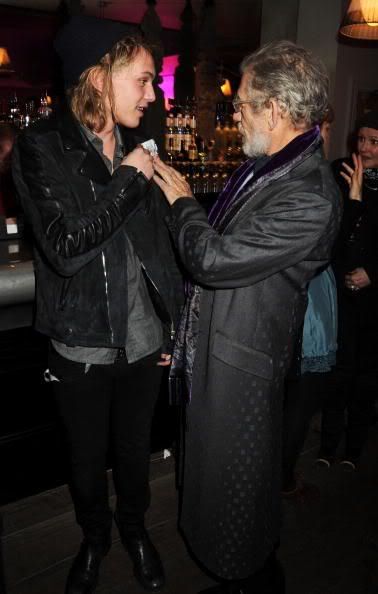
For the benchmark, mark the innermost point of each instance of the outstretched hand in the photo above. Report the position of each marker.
(171, 182)
(353, 176)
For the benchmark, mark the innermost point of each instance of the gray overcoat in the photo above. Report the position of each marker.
(254, 280)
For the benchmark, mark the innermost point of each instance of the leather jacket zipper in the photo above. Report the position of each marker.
(103, 260)
(64, 293)
(161, 308)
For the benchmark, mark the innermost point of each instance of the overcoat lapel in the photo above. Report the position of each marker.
(279, 165)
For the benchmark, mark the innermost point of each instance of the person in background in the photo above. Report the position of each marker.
(108, 290)
(355, 379)
(270, 230)
(307, 384)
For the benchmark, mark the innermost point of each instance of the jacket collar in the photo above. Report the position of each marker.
(81, 154)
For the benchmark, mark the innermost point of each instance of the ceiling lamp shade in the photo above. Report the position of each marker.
(226, 88)
(4, 57)
(5, 63)
(361, 20)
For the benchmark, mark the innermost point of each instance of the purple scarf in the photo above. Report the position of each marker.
(234, 195)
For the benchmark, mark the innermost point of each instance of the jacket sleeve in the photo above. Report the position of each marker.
(368, 239)
(68, 236)
(277, 236)
(353, 210)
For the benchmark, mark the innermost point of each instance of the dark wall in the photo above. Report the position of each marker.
(28, 36)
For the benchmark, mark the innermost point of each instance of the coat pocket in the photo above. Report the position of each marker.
(241, 357)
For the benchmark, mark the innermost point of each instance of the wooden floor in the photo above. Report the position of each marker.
(329, 544)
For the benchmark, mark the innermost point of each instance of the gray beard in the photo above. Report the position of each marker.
(257, 146)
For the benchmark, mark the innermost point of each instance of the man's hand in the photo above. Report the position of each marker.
(142, 160)
(353, 177)
(166, 360)
(357, 279)
(171, 182)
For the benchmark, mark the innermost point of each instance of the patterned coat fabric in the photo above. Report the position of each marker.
(254, 278)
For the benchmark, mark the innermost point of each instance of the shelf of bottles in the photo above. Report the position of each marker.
(23, 113)
(206, 163)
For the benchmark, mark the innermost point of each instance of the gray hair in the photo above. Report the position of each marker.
(293, 76)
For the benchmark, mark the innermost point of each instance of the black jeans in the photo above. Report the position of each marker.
(304, 396)
(110, 404)
(354, 380)
(348, 409)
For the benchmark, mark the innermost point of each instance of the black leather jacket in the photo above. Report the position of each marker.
(80, 235)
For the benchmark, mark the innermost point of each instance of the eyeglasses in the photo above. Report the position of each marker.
(236, 104)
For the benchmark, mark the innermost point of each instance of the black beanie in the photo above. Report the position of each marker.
(84, 40)
(368, 120)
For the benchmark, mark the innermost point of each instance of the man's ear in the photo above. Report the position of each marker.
(274, 114)
(96, 77)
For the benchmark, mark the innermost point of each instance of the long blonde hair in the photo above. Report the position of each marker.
(87, 102)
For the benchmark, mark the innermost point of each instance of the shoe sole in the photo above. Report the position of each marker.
(348, 465)
(146, 586)
(323, 463)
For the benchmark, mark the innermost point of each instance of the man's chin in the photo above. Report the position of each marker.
(258, 146)
(253, 152)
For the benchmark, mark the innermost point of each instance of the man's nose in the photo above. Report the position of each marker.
(150, 93)
(236, 116)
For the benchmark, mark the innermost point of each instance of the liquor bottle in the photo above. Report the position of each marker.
(170, 152)
(226, 134)
(169, 131)
(203, 173)
(182, 155)
(186, 138)
(44, 110)
(187, 114)
(178, 133)
(219, 138)
(210, 149)
(193, 125)
(192, 149)
(14, 112)
(229, 154)
(29, 116)
(202, 154)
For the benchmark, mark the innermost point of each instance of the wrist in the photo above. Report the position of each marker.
(355, 196)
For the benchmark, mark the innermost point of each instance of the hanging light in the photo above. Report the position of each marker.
(361, 20)
(4, 57)
(226, 88)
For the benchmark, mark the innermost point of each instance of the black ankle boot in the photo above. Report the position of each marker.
(148, 568)
(83, 575)
(225, 588)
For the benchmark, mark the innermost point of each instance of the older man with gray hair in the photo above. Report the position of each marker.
(251, 260)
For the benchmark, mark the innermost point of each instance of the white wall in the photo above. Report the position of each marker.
(278, 20)
(350, 67)
(357, 69)
(318, 22)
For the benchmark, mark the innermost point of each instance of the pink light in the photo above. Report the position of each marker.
(168, 71)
